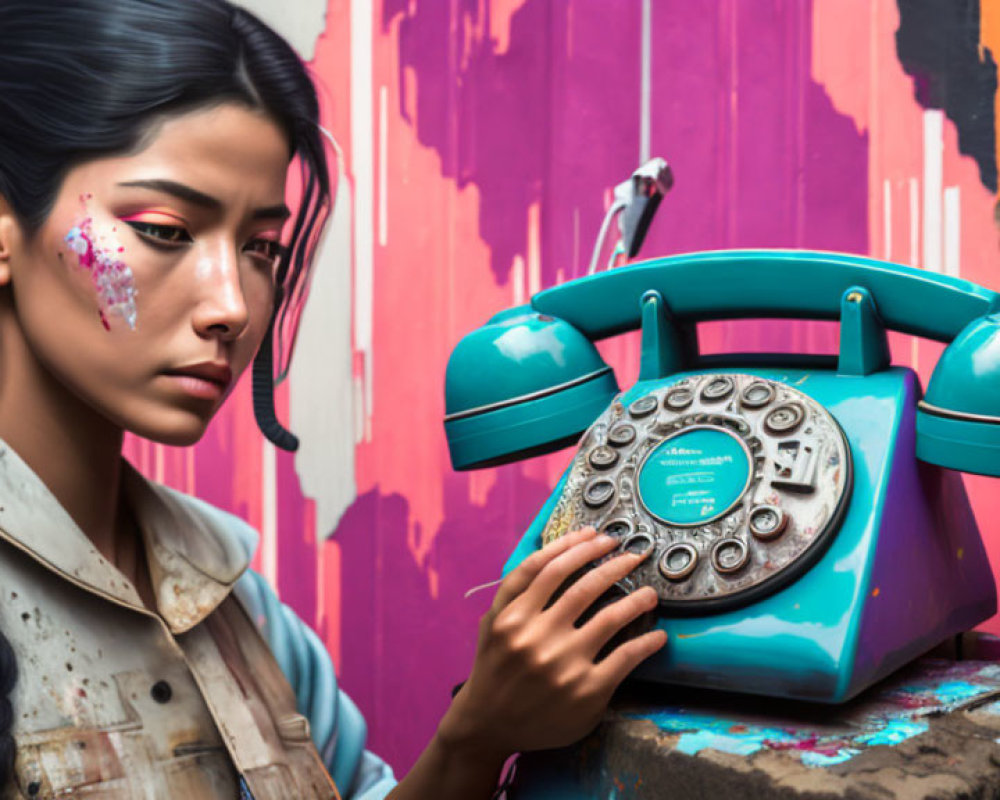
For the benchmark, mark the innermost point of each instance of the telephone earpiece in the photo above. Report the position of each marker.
(958, 421)
(524, 384)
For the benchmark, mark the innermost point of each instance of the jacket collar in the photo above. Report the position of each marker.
(195, 552)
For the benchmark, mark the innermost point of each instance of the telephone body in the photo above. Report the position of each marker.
(808, 532)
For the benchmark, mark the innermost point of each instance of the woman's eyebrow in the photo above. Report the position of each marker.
(195, 197)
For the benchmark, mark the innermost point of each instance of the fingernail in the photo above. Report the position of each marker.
(647, 592)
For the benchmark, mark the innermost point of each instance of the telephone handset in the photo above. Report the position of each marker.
(805, 540)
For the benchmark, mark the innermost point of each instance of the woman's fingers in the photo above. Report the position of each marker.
(616, 666)
(611, 619)
(521, 576)
(586, 589)
(555, 573)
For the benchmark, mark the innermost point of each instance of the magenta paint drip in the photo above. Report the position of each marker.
(112, 277)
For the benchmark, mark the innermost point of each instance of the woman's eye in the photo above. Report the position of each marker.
(268, 249)
(160, 234)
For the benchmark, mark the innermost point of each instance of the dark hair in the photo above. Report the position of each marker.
(89, 78)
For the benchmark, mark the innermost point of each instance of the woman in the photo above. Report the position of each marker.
(144, 263)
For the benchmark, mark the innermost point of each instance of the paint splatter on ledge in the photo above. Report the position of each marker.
(891, 715)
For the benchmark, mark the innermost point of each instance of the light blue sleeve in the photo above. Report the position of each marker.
(338, 729)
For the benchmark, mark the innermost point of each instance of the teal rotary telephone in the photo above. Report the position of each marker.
(807, 534)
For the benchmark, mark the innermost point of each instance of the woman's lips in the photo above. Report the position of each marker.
(198, 387)
(206, 380)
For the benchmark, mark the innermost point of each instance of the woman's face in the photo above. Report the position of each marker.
(150, 286)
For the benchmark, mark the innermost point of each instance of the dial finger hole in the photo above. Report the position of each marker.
(621, 435)
(677, 399)
(767, 522)
(719, 388)
(603, 457)
(598, 492)
(730, 555)
(619, 528)
(678, 561)
(757, 395)
(643, 407)
(639, 543)
(784, 418)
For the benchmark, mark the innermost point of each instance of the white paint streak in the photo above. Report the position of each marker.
(269, 512)
(534, 248)
(517, 280)
(933, 178)
(322, 400)
(358, 392)
(887, 219)
(952, 231)
(383, 165)
(914, 223)
(362, 168)
(645, 81)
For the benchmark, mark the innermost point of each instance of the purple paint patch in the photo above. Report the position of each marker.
(112, 277)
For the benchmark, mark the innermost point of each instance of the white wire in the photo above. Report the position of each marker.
(482, 586)
(617, 206)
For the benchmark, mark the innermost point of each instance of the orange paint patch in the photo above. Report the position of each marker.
(501, 13)
(329, 599)
(875, 592)
(989, 37)
(845, 71)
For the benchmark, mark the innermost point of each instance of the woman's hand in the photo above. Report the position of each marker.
(535, 683)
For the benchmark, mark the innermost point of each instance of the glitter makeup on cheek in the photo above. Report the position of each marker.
(112, 278)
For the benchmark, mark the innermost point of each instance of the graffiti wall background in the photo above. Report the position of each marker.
(479, 141)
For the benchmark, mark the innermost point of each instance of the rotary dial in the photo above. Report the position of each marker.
(735, 483)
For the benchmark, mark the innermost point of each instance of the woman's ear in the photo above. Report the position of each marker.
(10, 233)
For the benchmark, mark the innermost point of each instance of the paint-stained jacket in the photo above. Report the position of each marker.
(116, 702)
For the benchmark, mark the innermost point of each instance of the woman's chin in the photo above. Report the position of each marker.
(177, 429)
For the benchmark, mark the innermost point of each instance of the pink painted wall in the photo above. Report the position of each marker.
(480, 140)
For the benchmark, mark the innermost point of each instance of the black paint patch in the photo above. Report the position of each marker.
(938, 46)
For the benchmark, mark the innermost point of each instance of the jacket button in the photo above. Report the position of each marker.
(161, 692)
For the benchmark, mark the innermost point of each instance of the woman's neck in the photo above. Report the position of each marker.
(75, 451)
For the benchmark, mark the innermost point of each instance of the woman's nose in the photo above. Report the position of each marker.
(222, 308)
